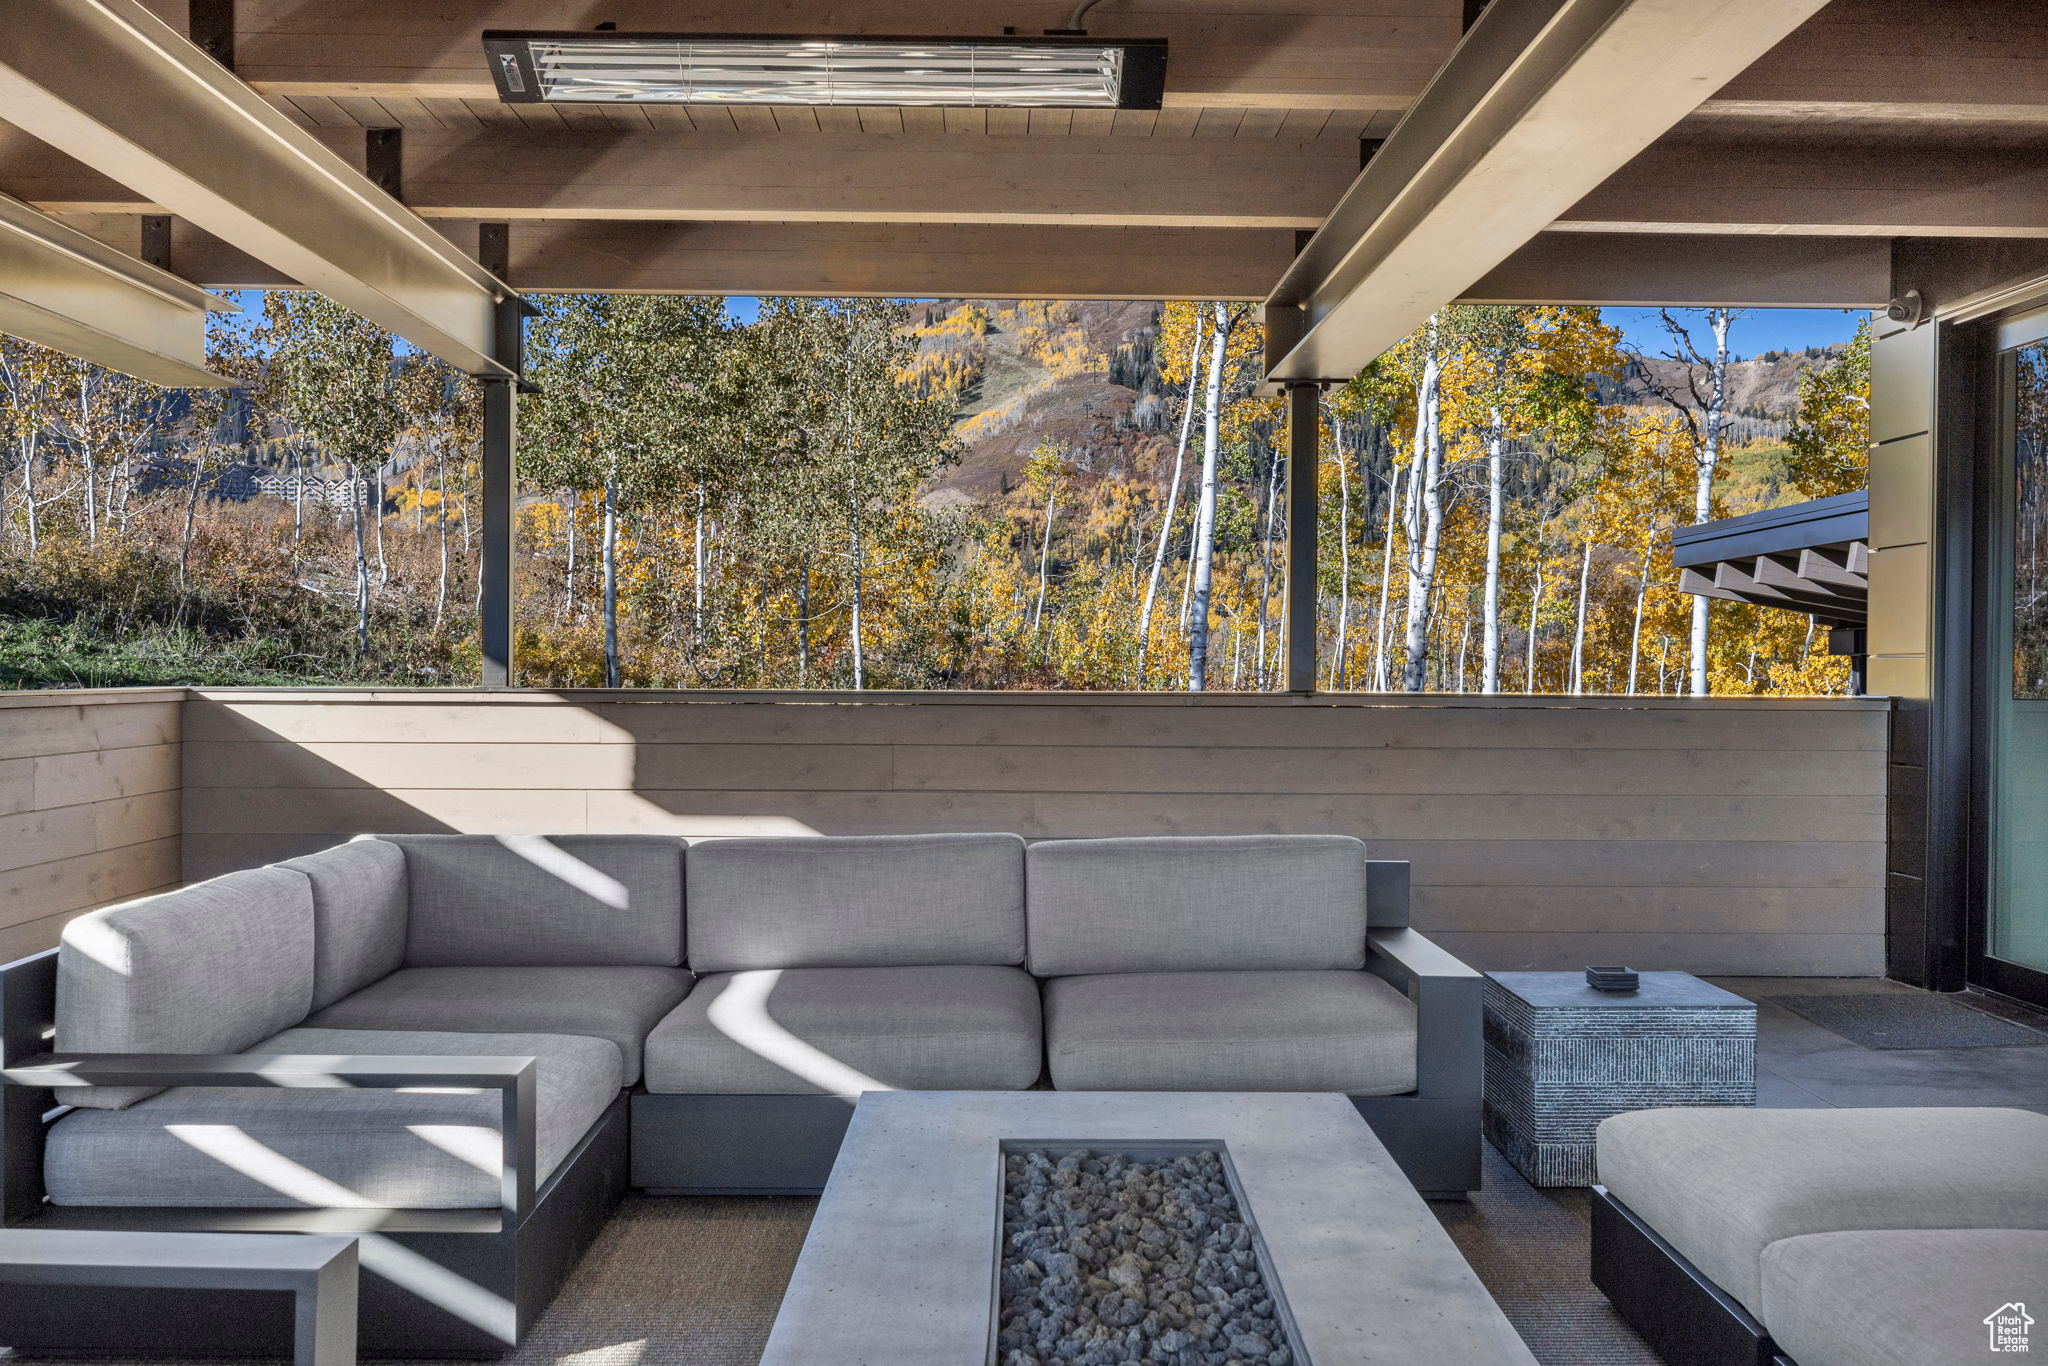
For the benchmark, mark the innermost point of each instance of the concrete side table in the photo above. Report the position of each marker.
(319, 1271)
(1561, 1057)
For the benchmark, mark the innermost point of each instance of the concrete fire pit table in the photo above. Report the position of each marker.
(901, 1264)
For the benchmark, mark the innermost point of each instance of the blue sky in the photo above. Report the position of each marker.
(1757, 330)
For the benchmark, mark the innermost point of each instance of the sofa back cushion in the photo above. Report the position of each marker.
(211, 968)
(358, 915)
(852, 901)
(1196, 904)
(533, 901)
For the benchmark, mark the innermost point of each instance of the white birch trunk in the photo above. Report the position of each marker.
(1635, 638)
(362, 566)
(611, 583)
(1535, 604)
(1379, 643)
(1703, 485)
(1579, 631)
(1044, 552)
(1426, 515)
(1205, 514)
(1180, 452)
(1489, 635)
(1339, 671)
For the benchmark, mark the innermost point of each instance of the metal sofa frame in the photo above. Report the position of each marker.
(466, 1282)
(1685, 1317)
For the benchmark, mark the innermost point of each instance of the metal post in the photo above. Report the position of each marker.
(1304, 443)
(500, 494)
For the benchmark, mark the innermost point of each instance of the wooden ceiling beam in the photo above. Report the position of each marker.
(1635, 270)
(984, 261)
(1684, 184)
(1893, 187)
(827, 178)
(1855, 60)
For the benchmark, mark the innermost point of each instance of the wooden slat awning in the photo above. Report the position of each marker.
(1811, 558)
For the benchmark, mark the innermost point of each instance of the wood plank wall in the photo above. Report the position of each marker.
(1727, 836)
(89, 805)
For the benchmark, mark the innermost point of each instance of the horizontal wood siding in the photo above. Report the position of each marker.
(90, 809)
(1719, 836)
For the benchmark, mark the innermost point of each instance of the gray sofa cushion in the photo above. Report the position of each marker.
(841, 1031)
(616, 1003)
(210, 968)
(1208, 904)
(1722, 1185)
(1901, 1297)
(1230, 1031)
(345, 1148)
(513, 900)
(358, 915)
(856, 901)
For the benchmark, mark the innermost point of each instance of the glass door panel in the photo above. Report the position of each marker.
(2018, 928)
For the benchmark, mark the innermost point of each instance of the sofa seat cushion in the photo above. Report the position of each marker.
(616, 1003)
(841, 1031)
(248, 1147)
(1230, 1031)
(1901, 1297)
(1721, 1185)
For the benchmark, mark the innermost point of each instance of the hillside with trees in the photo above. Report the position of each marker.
(867, 494)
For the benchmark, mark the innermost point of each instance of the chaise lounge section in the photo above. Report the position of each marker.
(1820, 1237)
(465, 1048)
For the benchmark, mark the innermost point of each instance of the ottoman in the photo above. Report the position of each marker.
(1906, 1297)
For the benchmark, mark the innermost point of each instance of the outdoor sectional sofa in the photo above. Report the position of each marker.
(1876, 1237)
(467, 1047)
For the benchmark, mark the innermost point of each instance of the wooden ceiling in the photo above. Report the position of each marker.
(1876, 119)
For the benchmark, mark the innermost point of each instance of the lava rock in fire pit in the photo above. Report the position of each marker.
(1109, 1261)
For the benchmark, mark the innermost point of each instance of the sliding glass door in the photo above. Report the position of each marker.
(2012, 954)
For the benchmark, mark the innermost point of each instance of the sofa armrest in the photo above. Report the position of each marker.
(1450, 1054)
(511, 1077)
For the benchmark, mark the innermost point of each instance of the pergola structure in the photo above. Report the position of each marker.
(1353, 163)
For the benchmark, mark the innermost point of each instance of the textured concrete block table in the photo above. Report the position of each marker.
(319, 1271)
(899, 1268)
(1561, 1057)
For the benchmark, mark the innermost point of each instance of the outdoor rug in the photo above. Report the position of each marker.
(1890, 1020)
(683, 1281)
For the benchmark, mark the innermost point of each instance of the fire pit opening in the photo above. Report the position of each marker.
(1111, 1255)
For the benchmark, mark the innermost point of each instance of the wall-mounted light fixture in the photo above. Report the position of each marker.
(1054, 72)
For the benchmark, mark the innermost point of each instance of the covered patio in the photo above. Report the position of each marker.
(1350, 166)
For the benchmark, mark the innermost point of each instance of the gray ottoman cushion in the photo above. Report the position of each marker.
(1230, 1031)
(856, 901)
(616, 1003)
(1902, 1297)
(1722, 1185)
(1207, 904)
(841, 1031)
(210, 968)
(528, 900)
(358, 915)
(340, 1149)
